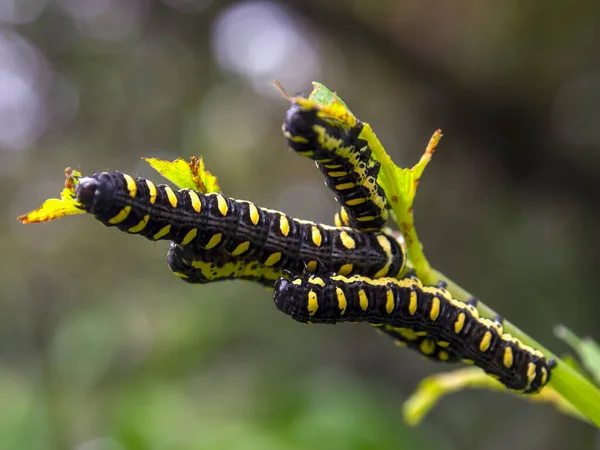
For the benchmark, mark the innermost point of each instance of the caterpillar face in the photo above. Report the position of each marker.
(344, 160)
(407, 304)
(240, 228)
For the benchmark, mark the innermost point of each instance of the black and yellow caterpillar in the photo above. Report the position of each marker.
(406, 303)
(199, 266)
(345, 161)
(242, 229)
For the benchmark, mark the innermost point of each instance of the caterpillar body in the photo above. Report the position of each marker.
(406, 303)
(200, 266)
(242, 229)
(344, 160)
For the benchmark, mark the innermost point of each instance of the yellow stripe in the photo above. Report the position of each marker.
(341, 298)
(356, 201)
(389, 302)
(196, 203)
(140, 226)
(152, 191)
(189, 236)
(344, 186)
(121, 216)
(171, 196)
(254, 215)
(214, 241)
(131, 186)
(222, 205)
(316, 236)
(313, 303)
(241, 248)
(273, 259)
(460, 322)
(485, 341)
(162, 232)
(347, 241)
(507, 360)
(435, 308)
(284, 225)
(412, 304)
(363, 300)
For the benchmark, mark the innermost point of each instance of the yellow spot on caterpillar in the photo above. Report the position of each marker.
(162, 232)
(313, 303)
(408, 334)
(214, 241)
(435, 308)
(412, 303)
(337, 174)
(341, 298)
(284, 225)
(389, 301)
(387, 249)
(152, 191)
(356, 201)
(507, 360)
(544, 378)
(171, 196)
(180, 275)
(346, 269)
(316, 280)
(121, 216)
(196, 203)
(485, 341)
(297, 282)
(140, 226)
(337, 220)
(530, 372)
(421, 333)
(460, 322)
(468, 361)
(332, 166)
(316, 236)
(189, 237)
(241, 248)
(273, 259)
(443, 356)
(254, 215)
(400, 343)
(131, 186)
(222, 205)
(363, 300)
(312, 265)
(427, 347)
(443, 344)
(344, 216)
(344, 186)
(347, 241)
(365, 218)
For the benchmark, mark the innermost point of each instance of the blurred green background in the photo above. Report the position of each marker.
(101, 348)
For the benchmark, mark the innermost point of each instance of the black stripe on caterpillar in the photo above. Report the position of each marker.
(407, 303)
(242, 229)
(199, 266)
(344, 160)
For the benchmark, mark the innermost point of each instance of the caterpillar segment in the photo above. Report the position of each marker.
(200, 266)
(345, 161)
(240, 228)
(406, 303)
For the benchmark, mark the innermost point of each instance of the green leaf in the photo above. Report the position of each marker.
(322, 95)
(587, 349)
(186, 175)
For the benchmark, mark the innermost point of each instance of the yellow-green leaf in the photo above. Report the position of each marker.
(433, 388)
(186, 175)
(55, 208)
